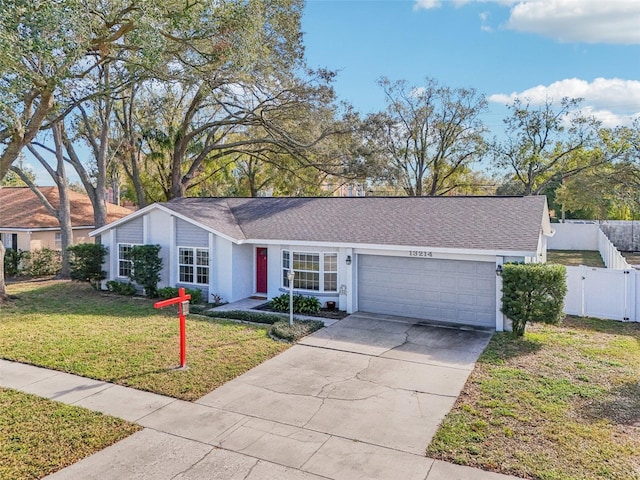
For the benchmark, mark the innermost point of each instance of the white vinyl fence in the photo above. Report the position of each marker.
(610, 255)
(603, 293)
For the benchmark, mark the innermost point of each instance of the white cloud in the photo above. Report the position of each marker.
(484, 17)
(431, 4)
(612, 100)
(426, 4)
(590, 21)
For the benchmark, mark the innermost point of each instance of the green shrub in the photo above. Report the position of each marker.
(301, 304)
(255, 317)
(196, 309)
(121, 288)
(13, 262)
(146, 267)
(300, 328)
(85, 261)
(533, 292)
(172, 292)
(43, 262)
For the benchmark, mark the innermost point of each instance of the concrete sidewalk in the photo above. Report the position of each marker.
(183, 440)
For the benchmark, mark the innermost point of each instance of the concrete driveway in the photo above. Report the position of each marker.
(360, 399)
(362, 383)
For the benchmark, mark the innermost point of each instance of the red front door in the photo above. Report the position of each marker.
(261, 270)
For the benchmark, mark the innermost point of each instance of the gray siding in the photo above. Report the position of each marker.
(188, 235)
(130, 232)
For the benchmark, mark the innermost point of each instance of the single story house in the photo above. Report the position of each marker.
(25, 223)
(435, 258)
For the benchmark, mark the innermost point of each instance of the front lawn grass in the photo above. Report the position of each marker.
(574, 258)
(68, 326)
(40, 436)
(561, 403)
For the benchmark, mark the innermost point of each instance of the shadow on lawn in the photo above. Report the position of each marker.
(599, 325)
(621, 405)
(504, 346)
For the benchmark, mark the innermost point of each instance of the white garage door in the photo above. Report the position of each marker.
(443, 290)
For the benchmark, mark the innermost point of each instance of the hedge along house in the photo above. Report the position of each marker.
(433, 258)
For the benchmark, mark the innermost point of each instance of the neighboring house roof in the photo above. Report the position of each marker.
(21, 209)
(477, 223)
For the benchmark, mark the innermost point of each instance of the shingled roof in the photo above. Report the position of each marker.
(478, 223)
(20, 208)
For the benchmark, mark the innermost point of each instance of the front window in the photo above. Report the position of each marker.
(330, 272)
(125, 265)
(313, 271)
(193, 265)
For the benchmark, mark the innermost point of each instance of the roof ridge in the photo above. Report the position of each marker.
(235, 219)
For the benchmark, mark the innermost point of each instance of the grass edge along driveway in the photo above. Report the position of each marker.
(561, 403)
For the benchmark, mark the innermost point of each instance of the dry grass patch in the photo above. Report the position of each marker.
(70, 327)
(39, 436)
(632, 258)
(561, 403)
(574, 258)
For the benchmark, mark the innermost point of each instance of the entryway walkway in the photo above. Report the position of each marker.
(358, 400)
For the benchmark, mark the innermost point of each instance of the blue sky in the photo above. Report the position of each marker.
(532, 49)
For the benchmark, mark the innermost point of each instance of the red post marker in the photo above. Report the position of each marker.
(183, 309)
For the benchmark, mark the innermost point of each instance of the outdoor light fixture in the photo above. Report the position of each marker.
(348, 259)
(499, 270)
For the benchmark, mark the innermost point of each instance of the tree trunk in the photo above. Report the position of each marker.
(3, 287)
(64, 209)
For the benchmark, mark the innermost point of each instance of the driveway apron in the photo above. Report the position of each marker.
(363, 382)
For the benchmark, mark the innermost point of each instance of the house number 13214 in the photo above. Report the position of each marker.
(419, 253)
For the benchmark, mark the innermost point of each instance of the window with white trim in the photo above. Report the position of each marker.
(193, 265)
(313, 271)
(125, 265)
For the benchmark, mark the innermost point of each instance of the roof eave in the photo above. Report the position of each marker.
(374, 246)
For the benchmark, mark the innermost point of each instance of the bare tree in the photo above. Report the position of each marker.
(541, 142)
(428, 136)
(63, 211)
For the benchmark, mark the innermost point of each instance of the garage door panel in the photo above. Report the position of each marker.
(468, 267)
(485, 318)
(449, 267)
(449, 298)
(468, 284)
(486, 302)
(435, 289)
(483, 289)
(467, 300)
(447, 282)
(430, 283)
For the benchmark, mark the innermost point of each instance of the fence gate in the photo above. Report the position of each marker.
(602, 293)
